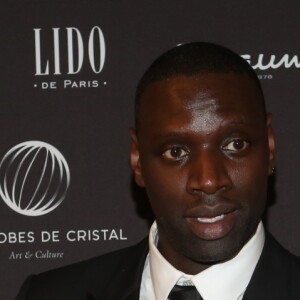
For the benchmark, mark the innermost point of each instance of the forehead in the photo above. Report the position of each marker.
(225, 95)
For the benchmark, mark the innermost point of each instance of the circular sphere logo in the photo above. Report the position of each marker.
(34, 178)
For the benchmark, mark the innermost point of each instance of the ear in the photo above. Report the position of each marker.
(135, 161)
(271, 142)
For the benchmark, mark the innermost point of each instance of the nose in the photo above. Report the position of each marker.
(208, 173)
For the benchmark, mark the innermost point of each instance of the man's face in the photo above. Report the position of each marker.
(203, 151)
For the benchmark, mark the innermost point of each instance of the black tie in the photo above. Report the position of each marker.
(188, 292)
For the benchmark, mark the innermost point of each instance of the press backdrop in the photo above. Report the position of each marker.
(67, 80)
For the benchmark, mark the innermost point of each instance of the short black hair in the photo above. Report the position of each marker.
(192, 59)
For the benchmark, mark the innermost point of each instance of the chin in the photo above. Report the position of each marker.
(215, 257)
(212, 252)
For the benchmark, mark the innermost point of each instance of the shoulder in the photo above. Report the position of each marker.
(277, 274)
(99, 265)
(83, 277)
(281, 256)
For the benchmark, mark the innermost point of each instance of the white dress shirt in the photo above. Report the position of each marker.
(226, 281)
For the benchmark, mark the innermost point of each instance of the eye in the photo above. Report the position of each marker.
(236, 145)
(175, 153)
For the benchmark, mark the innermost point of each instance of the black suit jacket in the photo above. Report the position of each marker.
(117, 276)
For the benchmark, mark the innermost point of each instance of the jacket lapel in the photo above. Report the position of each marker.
(135, 295)
(126, 283)
(270, 277)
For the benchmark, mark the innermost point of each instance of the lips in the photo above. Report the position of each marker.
(211, 224)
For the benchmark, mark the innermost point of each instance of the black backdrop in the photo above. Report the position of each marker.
(86, 117)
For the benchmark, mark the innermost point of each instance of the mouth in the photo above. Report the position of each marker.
(211, 219)
(212, 227)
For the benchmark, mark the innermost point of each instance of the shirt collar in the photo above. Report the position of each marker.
(224, 281)
(164, 276)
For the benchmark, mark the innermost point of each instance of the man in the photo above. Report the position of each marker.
(203, 148)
